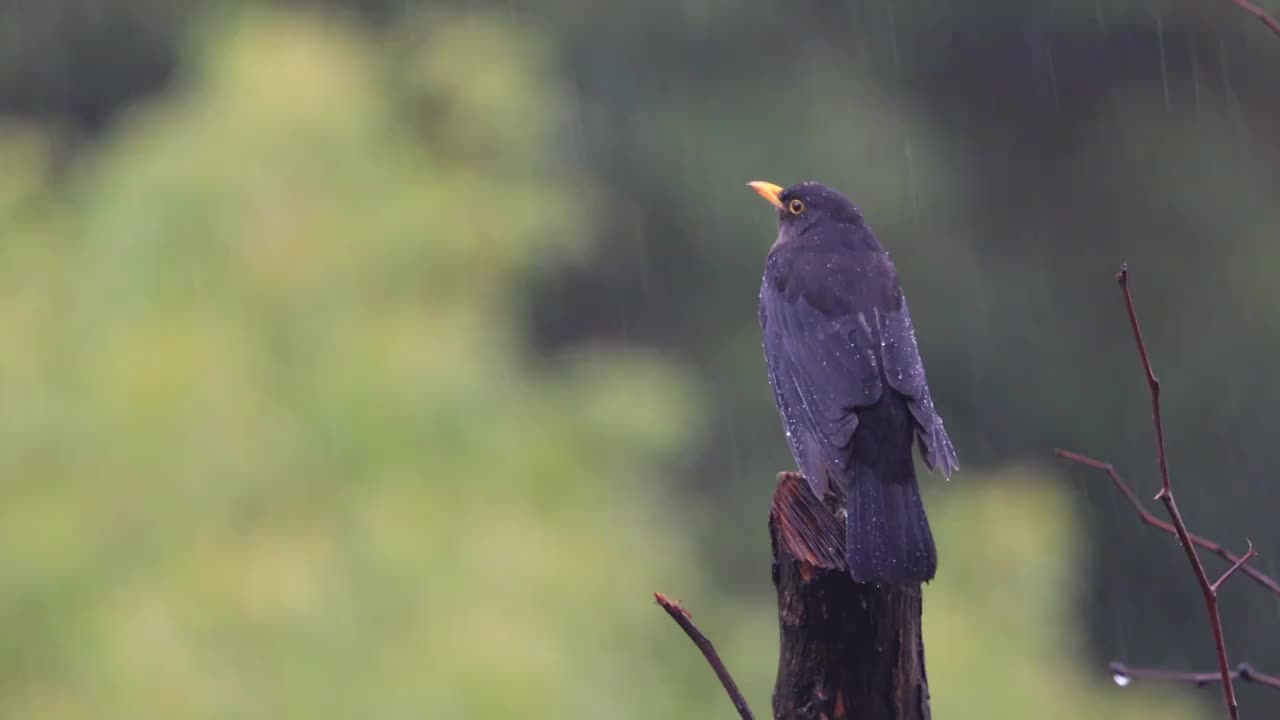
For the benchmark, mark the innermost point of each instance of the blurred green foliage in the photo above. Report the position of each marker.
(271, 442)
(278, 438)
(1002, 619)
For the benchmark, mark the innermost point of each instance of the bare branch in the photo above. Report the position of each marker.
(1153, 383)
(682, 618)
(1236, 566)
(1145, 515)
(1166, 496)
(1178, 527)
(1244, 671)
(1260, 14)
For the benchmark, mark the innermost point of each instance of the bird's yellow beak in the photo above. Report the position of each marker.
(768, 191)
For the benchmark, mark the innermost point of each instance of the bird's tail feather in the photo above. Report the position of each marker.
(888, 539)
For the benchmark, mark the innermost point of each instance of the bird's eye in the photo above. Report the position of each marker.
(796, 207)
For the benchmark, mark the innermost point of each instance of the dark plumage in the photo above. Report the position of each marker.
(848, 379)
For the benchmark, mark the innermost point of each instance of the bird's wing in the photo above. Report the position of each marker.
(829, 341)
(904, 371)
(823, 365)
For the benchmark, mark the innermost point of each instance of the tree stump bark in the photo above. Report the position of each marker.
(849, 651)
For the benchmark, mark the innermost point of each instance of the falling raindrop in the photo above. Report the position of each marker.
(1164, 66)
(912, 182)
(893, 42)
(1195, 75)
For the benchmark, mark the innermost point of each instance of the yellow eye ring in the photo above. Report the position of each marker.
(796, 207)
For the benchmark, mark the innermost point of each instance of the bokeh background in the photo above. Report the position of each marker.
(380, 358)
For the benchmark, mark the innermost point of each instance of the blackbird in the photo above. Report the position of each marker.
(848, 380)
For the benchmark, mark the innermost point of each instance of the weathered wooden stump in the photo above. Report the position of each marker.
(848, 650)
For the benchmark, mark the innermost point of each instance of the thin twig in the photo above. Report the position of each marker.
(1244, 671)
(1145, 515)
(1166, 496)
(1260, 14)
(1231, 570)
(1153, 383)
(682, 618)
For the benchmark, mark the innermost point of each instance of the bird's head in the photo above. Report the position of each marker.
(805, 205)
